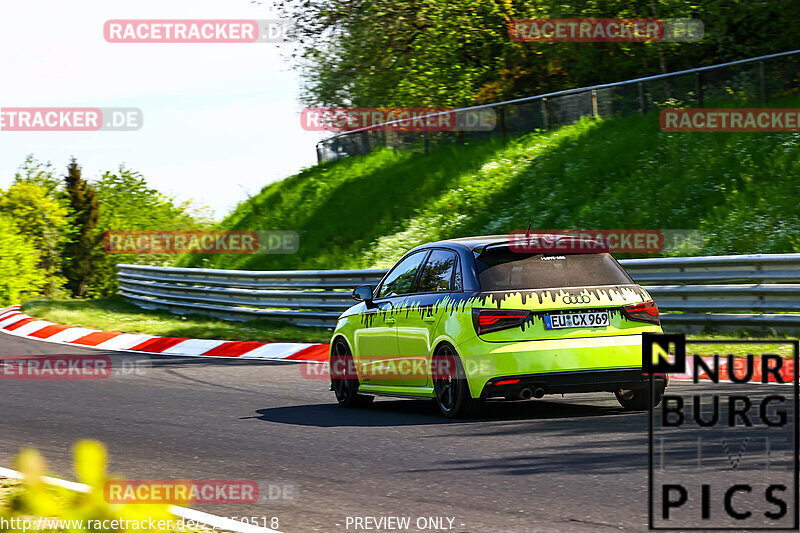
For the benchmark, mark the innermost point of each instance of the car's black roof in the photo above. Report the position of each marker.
(481, 241)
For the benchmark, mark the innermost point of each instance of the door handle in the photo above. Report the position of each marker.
(429, 318)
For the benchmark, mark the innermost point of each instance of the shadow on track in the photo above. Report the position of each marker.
(391, 413)
(424, 412)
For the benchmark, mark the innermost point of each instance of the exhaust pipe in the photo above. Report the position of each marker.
(527, 393)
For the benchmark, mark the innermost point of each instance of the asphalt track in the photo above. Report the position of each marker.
(573, 464)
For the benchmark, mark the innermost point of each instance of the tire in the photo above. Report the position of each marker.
(639, 399)
(450, 386)
(346, 386)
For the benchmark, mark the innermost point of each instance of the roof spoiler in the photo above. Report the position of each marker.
(478, 250)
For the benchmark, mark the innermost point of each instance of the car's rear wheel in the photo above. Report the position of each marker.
(450, 386)
(344, 379)
(639, 399)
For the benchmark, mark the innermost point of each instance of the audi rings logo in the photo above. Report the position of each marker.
(582, 299)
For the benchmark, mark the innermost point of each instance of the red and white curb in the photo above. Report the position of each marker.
(15, 322)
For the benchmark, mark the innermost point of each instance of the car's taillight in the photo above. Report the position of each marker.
(487, 320)
(643, 312)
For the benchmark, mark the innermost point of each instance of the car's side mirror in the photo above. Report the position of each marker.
(363, 293)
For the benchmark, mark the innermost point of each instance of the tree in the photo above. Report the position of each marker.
(128, 203)
(44, 221)
(18, 263)
(81, 251)
(42, 174)
(454, 53)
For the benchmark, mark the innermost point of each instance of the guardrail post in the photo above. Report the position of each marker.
(503, 123)
(698, 83)
(546, 113)
(762, 82)
(425, 140)
(595, 114)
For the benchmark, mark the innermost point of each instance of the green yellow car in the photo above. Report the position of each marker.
(465, 320)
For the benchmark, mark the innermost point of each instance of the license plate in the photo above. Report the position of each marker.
(594, 319)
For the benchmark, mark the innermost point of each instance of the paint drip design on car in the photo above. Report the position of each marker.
(560, 301)
(449, 304)
(606, 297)
(369, 316)
(611, 295)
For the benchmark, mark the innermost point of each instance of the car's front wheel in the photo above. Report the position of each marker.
(639, 399)
(450, 386)
(344, 380)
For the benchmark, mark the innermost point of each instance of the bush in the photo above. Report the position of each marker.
(19, 260)
(35, 498)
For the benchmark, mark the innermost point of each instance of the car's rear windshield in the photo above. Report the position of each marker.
(503, 270)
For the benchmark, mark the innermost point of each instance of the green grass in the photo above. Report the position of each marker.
(7, 486)
(116, 314)
(740, 350)
(740, 189)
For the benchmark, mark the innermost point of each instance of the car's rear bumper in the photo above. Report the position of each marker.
(568, 382)
(585, 364)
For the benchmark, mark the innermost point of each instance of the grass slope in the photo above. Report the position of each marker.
(741, 189)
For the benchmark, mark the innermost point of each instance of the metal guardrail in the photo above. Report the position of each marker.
(756, 79)
(302, 297)
(760, 291)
